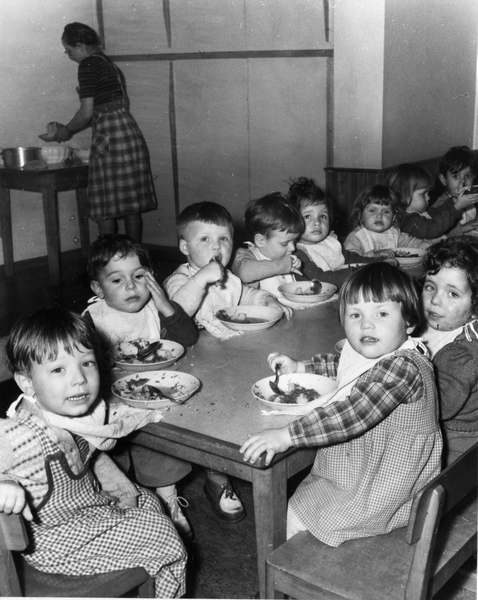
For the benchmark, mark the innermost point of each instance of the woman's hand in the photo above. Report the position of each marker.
(13, 500)
(286, 364)
(63, 134)
(270, 441)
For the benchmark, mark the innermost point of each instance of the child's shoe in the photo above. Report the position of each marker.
(224, 501)
(174, 512)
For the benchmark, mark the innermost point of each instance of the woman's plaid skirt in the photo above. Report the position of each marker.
(120, 181)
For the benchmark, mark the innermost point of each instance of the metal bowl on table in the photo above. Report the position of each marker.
(19, 157)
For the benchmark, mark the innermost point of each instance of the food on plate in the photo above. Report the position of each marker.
(405, 254)
(238, 318)
(307, 291)
(140, 389)
(156, 355)
(297, 394)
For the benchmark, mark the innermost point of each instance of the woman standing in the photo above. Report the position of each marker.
(120, 184)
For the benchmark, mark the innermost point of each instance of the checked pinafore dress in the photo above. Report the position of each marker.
(77, 530)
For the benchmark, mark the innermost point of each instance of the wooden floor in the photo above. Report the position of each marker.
(223, 562)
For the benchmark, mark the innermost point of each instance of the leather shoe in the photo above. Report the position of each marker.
(224, 501)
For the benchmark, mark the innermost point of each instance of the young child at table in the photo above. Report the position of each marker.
(84, 517)
(375, 214)
(378, 436)
(202, 286)
(412, 184)
(130, 305)
(318, 248)
(274, 225)
(457, 173)
(450, 308)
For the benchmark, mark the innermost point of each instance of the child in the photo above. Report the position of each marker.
(84, 516)
(129, 305)
(203, 286)
(450, 308)
(318, 248)
(457, 172)
(411, 184)
(375, 211)
(378, 436)
(275, 226)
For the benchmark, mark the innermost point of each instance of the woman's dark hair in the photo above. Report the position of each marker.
(79, 33)
(381, 282)
(272, 213)
(204, 212)
(305, 192)
(376, 194)
(108, 245)
(460, 253)
(38, 336)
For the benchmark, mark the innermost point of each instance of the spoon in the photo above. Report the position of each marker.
(151, 389)
(316, 286)
(147, 350)
(273, 384)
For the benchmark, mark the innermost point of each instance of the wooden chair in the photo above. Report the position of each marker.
(410, 563)
(18, 578)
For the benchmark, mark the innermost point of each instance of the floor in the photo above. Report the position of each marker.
(223, 556)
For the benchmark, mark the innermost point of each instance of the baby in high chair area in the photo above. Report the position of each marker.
(375, 215)
(83, 516)
(269, 261)
(450, 308)
(378, 435)
(318, 248)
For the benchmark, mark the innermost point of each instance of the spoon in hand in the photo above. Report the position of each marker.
(273, 384)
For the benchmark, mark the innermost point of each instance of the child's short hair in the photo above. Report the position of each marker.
(305, 192)
(205, 212)
(375, 194)
(456, 159)
(406, 179)
(381, 282)
(38, 336)
(461, 253)
(108, 245)
(272, 213)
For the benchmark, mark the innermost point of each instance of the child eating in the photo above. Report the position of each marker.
(378, 436)
(202, 286)
(318, 248)
(374, 215)
(268, 261)
(450, 308)
(84, 516)
(130, 305)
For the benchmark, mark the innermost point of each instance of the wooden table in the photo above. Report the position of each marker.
(211, 426)
(55, 178)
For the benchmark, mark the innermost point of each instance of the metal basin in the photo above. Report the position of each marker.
(19, 157)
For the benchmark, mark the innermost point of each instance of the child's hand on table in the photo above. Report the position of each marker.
(286, 364)
(161, 302)
(270, 441)
(12, 500)
(385, 252)
(274, 303)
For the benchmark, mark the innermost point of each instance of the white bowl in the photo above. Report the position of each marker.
(249, 317)
(165, 355)
(339, 345)
(55, 154)
(82, 154)
(262, 392)
(297, 292)
(174, 384)
(410, 257)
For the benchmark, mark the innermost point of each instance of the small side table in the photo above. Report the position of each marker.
(49, 181)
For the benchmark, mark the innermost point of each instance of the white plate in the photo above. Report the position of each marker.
(351, 266)
(262, 392)
(411, 257)
(297, 292)
(178, 386)
(339, 345)
(255, 318)
(170, 350)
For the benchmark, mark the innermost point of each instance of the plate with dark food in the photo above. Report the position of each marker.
(409, 257)
(146, 355)
(155, 389)
(300, 292)
(298, 388)
(249, 317)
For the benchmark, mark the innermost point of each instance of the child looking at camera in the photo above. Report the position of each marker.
(202, 286)
(412, 184)
(457, 173)
(268, 261)
(130, 305)
(318, 248)
(450, 308)
(84, 515)
(375, 214)
(378, 436)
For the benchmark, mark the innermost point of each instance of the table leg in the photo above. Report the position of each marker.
(269, 489)
(81, 203)
(6, 229)
(52, 231)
